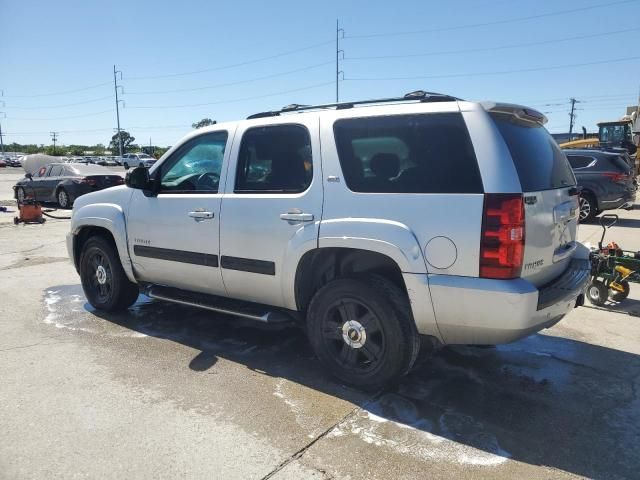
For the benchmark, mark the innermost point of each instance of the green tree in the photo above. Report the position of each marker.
(127, 140)
(77, 150)
(59, 150)
(205, 122)
(99, 149)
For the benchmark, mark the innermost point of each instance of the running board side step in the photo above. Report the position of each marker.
(227, 306)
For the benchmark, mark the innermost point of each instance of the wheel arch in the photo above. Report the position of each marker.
(319, 266)
(106, 220)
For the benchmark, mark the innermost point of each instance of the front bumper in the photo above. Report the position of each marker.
(470, 310)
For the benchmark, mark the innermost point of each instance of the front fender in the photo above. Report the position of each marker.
(390, 238)
(111, 217)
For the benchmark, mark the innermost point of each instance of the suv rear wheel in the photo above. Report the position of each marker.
(588, 207)
(362, 330)
(104, 282)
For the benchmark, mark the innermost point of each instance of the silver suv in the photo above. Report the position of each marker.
(374, 224)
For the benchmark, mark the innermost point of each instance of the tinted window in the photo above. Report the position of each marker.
(540, 163)
(275, 159)
(428, 153)
(55, 171)
(196, 166)
(579, 161)
(620, 163)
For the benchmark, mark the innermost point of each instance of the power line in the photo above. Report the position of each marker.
(492, 23)
(62, 106)
(233, 65)
(229, 84)
(256, 97)
(499, 72)
(488, 49)
(65, 92)
(64, 118)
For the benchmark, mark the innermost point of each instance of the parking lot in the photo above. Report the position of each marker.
(168, 391)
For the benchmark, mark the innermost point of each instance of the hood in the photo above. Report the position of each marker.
(119, 195)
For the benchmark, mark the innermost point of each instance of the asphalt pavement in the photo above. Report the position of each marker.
(166, 391)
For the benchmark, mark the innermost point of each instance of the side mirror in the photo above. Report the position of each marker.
(138, 178)
(29, 176)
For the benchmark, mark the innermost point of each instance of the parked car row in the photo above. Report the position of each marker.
(8, 161)
(127, 160)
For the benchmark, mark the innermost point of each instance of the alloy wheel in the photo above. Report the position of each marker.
(354, 336)
(63, 199)
(585, 208)
(101, 278)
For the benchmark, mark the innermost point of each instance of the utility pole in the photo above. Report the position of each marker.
(115, 87)
(572, 115)
(1, 141)
(338, 52)
(54, 137)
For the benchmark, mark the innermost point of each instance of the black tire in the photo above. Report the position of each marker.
(588, 207)
(108, 289)
(597, 293)
(389, 345)
(125, 165)
(63, 199)
(20, 195)
(618, 296)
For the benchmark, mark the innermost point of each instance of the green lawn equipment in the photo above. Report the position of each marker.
(612, 268)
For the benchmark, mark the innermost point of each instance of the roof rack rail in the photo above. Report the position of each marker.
(417, 95)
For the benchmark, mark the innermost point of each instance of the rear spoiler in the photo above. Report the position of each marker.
(521, 112)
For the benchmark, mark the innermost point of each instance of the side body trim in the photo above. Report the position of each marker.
(196, 258)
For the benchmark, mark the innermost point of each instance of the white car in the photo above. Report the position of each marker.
(375, 224)
(137, 160)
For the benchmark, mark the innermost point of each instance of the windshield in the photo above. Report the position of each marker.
(615, 133)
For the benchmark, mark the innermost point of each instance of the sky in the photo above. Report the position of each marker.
(184, 61)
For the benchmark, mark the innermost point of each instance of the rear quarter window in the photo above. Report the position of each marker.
(540, 163)
(424, 153)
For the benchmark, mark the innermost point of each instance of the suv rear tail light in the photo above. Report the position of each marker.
(502, 237)
(615, 177)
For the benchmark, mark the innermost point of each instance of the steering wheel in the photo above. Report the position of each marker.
(207, 179)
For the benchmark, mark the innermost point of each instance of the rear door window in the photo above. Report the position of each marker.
(425, 153)
(275, 159)
(540, 163)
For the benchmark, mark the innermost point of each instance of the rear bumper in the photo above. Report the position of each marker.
(472, 310)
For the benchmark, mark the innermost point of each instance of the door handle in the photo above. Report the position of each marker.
(296, 217)
(200, 215)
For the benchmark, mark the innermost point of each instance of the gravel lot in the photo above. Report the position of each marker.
(168, 391)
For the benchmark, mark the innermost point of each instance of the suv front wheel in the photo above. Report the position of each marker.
(104, 282)
(362, 330)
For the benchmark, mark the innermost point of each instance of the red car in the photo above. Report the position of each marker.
(3, 164)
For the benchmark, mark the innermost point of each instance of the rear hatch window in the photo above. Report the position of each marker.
(540, 163)
(620, 163)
